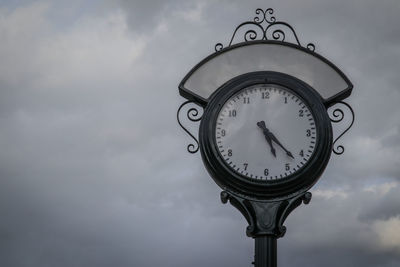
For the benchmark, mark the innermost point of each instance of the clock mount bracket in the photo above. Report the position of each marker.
(265, 217)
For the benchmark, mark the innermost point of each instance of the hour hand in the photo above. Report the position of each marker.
(271, 146)
(261, 124)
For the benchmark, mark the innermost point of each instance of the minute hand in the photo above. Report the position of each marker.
(272, 136)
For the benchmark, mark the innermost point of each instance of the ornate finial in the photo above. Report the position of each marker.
(264, 26)
(266, 16)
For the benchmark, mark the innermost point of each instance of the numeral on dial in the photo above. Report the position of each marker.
(245, 166)
(287, 166)
(265, 95)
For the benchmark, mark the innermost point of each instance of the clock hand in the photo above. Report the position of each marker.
(272, 136)
(270, 144)
(261, 124)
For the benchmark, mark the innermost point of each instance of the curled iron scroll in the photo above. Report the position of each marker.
(265, 27)
(337, 116)
(193, 115)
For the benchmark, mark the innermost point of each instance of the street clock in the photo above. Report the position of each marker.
(265, 132)
(265, 135)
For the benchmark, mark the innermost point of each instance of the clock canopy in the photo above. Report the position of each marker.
(218, 68)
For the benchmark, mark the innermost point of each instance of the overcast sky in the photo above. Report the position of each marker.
(93, 165)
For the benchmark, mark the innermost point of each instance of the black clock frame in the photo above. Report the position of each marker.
(288, 187)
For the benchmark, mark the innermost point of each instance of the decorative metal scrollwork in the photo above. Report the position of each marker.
(193, 115)
(264, 26)
(265, 217)
(337, 116)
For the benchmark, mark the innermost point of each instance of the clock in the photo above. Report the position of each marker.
(265, 135)
(276, 128)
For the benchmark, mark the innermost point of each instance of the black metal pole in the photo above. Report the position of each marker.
(265, 251)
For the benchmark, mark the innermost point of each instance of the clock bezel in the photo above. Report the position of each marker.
(234, 182)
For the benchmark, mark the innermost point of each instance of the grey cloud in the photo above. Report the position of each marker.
(94, 169)
(382, 208)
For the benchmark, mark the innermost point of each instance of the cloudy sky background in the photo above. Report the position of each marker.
(93, 165)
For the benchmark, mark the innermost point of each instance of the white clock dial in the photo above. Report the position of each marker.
(265, 132)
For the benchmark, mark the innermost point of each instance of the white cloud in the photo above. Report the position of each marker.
(328, 194)
(95, 50)
(20, 32)
(193, 13)
(388, 232)
(381, 189)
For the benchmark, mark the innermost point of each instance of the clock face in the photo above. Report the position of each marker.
(265, 132)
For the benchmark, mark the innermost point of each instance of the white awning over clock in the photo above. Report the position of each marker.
(308, 66)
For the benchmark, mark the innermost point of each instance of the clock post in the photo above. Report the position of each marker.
(265, 251)
(265, 132)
